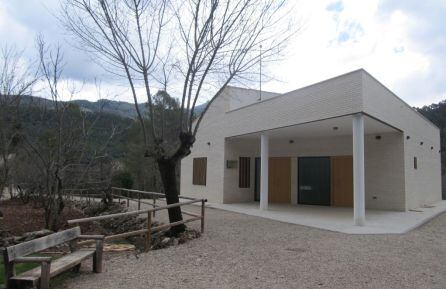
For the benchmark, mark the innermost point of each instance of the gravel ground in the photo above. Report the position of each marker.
(239, 251)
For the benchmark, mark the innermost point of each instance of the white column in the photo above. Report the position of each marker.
(358, 170)
(264, 156)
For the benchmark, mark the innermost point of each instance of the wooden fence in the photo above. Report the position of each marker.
(149, 213)
(84, 194)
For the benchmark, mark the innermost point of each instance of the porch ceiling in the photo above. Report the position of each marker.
(339, 126)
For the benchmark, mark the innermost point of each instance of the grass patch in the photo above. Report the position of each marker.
(23, 267)
(20, 268)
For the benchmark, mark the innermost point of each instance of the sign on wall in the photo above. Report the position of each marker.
(231, 164)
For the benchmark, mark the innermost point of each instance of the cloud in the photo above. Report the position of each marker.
(426, 22)
(401, 42)
(337, 6)
(20, 24)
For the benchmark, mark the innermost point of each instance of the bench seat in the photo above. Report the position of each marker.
(58, 266)
(40, 277)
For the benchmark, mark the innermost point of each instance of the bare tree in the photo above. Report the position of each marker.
(16, 81)
(208, 44)
(51, 156)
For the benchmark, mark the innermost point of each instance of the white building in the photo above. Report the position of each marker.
(347, 141)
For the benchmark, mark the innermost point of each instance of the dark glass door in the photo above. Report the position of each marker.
(314, 181)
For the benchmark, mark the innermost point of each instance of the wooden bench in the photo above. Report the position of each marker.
(40, 276)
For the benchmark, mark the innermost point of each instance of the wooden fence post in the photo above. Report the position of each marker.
(149, 231)
(139, 201)
(97, 257)
(202, 216)
(45, 275)
(9, 270)
(154, 205)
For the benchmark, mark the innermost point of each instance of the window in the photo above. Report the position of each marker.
(199, 171)
(415, 163)
(244, 172)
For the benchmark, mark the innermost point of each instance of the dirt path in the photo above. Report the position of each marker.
(239, 251)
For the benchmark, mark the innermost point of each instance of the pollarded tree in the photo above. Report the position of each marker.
(199, 45)
(144, 171)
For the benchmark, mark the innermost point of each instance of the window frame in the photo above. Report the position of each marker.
(199, 171)
(244, 172)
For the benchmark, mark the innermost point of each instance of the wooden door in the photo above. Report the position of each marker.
(342, 181)
(279, 181)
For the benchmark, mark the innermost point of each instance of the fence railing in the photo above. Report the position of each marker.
(84, 194)
(140, 197)
(150, 214)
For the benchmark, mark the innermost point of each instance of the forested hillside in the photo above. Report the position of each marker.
(126, 146)
(119, 108)
(37, 118)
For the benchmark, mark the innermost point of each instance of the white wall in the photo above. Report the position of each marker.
(384, 165)
(241, 97)
(338, 96)
(335, 97)
(422, 186)
(384, 172)
(388, 161)
(234, 150)
(210, 131)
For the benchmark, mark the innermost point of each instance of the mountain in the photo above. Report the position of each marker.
(120, 108)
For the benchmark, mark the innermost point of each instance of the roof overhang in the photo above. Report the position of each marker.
(331, 127)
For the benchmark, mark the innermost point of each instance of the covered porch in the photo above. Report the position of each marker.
(338, 166)
(340, 219)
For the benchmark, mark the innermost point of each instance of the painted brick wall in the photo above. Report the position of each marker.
(212, 131)
(384, 165)
(423, 186)
(338, 96)
(350, 93)
(384, 170)
(236, 148)
(244, 97)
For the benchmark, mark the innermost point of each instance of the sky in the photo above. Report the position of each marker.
(402, 43)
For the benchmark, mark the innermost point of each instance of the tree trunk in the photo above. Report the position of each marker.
(53, 214)
(168, 170)
(54, 207)
(11, 191)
